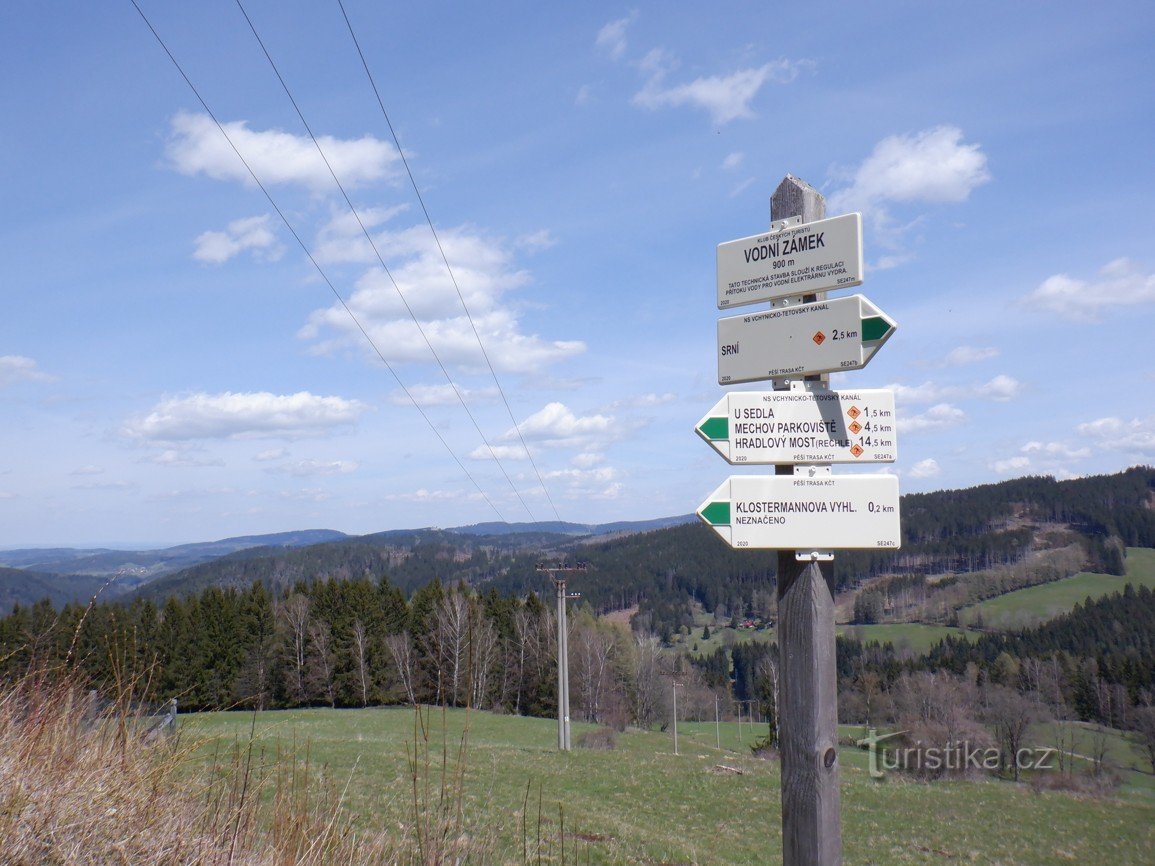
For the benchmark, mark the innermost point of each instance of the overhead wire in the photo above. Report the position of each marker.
(444, 258)
(308, 253)
(385, 268)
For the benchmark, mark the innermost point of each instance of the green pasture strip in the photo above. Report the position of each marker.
(639, 803)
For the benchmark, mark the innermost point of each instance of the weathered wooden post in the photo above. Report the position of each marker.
(811, 824)
(802, 428)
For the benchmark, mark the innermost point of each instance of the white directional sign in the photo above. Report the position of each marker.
(817, 426)
(804, 512)
(797, 340)
(798, 260)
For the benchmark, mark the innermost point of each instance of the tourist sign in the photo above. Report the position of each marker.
(804, 511)
(796, 260)
(803, 426)
(801, 339)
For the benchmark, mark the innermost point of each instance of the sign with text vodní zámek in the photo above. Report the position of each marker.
(798, 260)
(801, 339)
(802, 512)
(803, 426)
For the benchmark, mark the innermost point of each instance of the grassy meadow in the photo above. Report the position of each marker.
(1037, 603)
(639, 803)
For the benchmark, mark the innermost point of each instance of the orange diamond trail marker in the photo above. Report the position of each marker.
(856, 450)
(853, 412)
(855, 428)
(819, 338)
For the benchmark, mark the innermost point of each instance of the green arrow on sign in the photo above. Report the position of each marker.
(716, 513)
(875, 328)
(715, 428)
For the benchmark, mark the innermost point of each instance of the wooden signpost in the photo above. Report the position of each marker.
(805, 426)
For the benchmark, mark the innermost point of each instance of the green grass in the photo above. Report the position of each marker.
(918, 638)
(642, 804)
(1037, 603)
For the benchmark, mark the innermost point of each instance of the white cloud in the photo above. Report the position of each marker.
(442, 395)
(1120, 283)
(87, 470)
(969, 355)
(196, 146)
(271, 454)
(424, 495)
(342, 240)
(612, 37)
(1135, 437)
(181, 458)
(556, 426)
(1001, 389)
(929, 166)
(937, 417)
(106, 485)
(244, 416)
(927, 468)
(1011, 465)
(1055, 449)
(309, 468)
(17, 368)
(484, 271)
(534, 241)
(252, 233)
(642, 401)
(588, 459)
(733, 160)
(584, 95)
(726, 97)
(499, 452)
(596, 482)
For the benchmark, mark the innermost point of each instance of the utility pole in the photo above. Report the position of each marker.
(717, 725)
(676, 684)
(559, 573)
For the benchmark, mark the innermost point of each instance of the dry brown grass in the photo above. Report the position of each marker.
(79, 786)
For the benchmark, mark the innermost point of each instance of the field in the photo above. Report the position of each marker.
(1037, 603)
(907, 637)
(640, 803)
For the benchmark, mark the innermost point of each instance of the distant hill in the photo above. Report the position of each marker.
(66, 574)
(665, 565)
(564, 528)
(20, 586)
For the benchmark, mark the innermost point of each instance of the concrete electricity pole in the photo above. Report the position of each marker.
(559, 574)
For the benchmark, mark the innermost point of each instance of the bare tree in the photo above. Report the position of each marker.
(1010, 715)
(321, 662)
(483, 653)
(294, 616)
(451, 639)
(361, 656)
(649, 690)
(401, 648)
(591, 667)
(1144, 732)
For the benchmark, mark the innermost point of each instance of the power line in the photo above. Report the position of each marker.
(313, 260)
(444, 258)
(381, 261)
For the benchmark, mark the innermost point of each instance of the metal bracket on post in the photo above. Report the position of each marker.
(779, 225)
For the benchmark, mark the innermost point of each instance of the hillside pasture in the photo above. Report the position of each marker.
(1035, 604)
(640, 803)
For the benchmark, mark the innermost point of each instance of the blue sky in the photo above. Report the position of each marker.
(173, 368)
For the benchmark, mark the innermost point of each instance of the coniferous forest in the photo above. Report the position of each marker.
(448, 618)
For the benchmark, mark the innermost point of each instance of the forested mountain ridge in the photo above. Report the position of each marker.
(665, 570)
